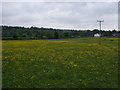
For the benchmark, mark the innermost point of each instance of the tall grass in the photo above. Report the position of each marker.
(62, 63)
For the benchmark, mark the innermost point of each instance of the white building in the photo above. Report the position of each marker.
(97, 35)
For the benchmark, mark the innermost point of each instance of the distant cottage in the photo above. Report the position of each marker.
(97, 35)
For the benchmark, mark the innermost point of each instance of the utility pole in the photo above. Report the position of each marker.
(100, 24)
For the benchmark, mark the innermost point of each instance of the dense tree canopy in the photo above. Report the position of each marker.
(14, 32)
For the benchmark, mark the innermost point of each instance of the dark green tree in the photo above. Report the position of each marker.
(15, 36)
(56, 35)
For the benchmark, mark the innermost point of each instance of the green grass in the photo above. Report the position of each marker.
(62, 63)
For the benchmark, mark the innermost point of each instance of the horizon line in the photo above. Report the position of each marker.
(58, 28)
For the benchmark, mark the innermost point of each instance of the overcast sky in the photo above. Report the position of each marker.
(65, 15)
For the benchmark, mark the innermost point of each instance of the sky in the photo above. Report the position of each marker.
(62, 15)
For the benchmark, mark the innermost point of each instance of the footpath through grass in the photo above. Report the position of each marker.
(60, 63)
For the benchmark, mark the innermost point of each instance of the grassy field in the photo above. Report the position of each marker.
(60, 63)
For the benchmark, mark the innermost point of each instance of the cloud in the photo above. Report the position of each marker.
(74, 15)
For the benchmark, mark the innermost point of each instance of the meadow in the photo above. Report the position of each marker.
(60, 63)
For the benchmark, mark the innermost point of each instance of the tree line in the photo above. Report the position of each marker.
(21, 33)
